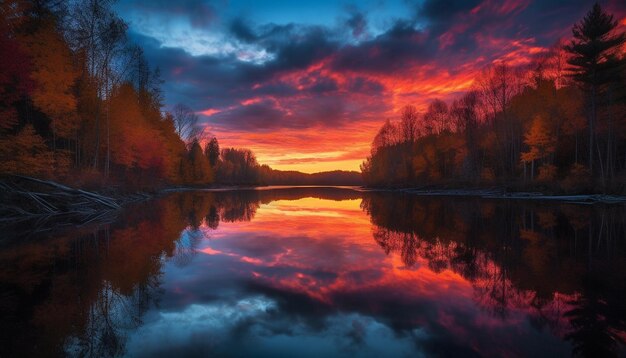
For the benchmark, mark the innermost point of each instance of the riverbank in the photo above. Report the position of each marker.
(25, 198)
(503, 193)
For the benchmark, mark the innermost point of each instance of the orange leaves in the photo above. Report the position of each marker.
(55, 76)
(125, 121)
(25, 153)
(134, 142)
(174, 150)
(542, 143)
(60, 108)
(15, 66)
(540, 140)
(484, 136)
(531, 155)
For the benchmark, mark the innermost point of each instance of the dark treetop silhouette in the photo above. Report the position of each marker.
(543, 126)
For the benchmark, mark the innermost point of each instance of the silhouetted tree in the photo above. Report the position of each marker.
(201, 171)
(409, 128)
(593, 62)
(238, 166)
(437, 118)
(212, 152)
(185, 121)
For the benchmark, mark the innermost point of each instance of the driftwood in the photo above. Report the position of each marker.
(27, 198)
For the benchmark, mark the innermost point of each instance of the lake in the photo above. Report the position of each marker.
(319, 272)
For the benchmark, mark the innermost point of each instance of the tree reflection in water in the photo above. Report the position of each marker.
(565, 264)
(81, 291)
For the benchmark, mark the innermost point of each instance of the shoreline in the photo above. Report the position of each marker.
(503, 194)
(25, 198)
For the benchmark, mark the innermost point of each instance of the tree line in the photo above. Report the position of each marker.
(80, 103)
(559, 123)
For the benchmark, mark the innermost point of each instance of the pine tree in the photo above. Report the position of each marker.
(592, 60)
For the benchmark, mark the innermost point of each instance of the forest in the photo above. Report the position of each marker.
(80, 104)
(558, 124)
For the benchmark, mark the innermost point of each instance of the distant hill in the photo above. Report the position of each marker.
(270, 176)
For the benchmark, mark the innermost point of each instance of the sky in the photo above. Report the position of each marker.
(306, 84)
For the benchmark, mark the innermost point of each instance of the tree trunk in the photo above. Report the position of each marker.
(601, 167)
(576, 150)
(97, 144)
(592, 119)
(108, 120)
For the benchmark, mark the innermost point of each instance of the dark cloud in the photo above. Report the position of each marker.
(240, 29)
(256, 116)
(390, 52)
(365, 86)
(299, 113)
(436, 10)
(301, 49)
(312, 76)
(357, 23)
(200, 13)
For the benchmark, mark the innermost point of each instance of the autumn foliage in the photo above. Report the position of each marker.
(559, 124)
(79, 103)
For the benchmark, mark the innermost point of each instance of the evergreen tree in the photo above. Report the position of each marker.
(592, 61)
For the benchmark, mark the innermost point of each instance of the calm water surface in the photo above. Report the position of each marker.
(314, 272)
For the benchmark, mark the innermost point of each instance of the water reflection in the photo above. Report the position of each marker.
(313, 271)
(562, 264)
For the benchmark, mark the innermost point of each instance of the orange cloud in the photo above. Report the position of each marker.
(209, 112)
(301, 130)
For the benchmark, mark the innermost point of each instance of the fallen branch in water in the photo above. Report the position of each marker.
(67, 190)
(25, 197)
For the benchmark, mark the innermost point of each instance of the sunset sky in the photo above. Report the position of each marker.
(306, 84)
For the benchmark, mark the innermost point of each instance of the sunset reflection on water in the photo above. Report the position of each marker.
(334, 272)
